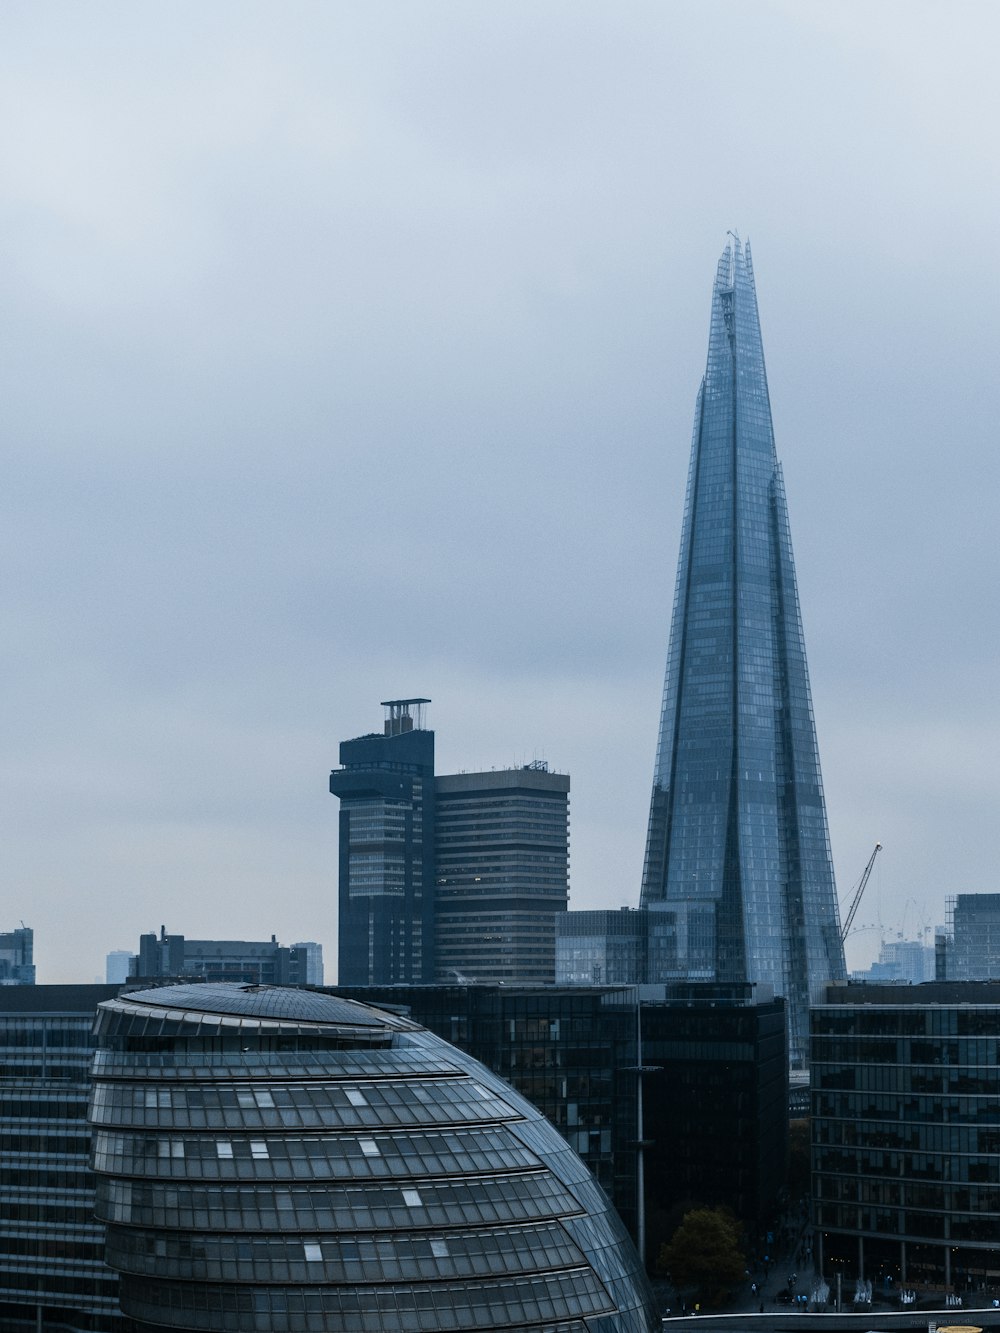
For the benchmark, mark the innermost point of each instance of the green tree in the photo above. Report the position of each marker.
(704, 1254)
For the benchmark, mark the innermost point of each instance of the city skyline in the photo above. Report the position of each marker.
(349, 354)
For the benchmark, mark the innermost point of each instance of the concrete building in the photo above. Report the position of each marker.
(260, 962)
(906, 1133)
(501, 873)
(292, 1160)
(445, 876)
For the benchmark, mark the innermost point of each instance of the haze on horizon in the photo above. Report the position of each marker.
(350, 352)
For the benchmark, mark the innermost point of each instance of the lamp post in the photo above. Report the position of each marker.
(641, 1142)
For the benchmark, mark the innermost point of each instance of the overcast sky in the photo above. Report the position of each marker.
(349, 351)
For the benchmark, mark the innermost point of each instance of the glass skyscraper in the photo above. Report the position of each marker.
(738, 875)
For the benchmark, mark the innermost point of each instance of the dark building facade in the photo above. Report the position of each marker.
(17, 957)
(715, 1107)
(386, 872)
(906, 1132)
(738, 875)
(501, 871)
(450, 877)
(276, 1160)
(52, 1270)
(263, 962)
(602, 947)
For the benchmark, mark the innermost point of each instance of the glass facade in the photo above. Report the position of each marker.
(52, 1269)
(386, 790)
(738, 875)
(279, 1160)
(601, 947)
(715, 1107)
(906, 1132)
(972, 948)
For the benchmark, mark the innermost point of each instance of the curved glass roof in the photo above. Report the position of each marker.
(269, 1157)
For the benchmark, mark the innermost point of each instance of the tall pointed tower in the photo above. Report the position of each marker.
(738, 875)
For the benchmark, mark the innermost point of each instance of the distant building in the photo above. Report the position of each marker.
(601, 947)
(901, 960)
(501, 872)
(52, 1270)
(738, 876)
(17, 960)
(254, 962)
(906, 1133)
(386, 896)
(367, 1176)
(309, 957)
(117, 965)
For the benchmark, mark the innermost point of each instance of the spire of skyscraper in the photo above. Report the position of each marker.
(738, 875)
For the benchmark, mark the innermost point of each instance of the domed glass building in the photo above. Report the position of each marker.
(271, 1159)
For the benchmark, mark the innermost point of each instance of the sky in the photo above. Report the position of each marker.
(349, 351)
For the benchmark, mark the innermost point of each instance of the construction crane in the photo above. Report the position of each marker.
(858, 892)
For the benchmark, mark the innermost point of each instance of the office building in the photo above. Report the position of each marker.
(738, 876)
(52, 1270)
(386, 788)
(17, 957)
(287, 1160)
(446, 877)
(602, 948)
(261, 962)
(715, 1100)
(501, 870)
(970, 946)
(906, 1133)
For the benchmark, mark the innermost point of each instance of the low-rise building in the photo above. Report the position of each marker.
(906, 1132)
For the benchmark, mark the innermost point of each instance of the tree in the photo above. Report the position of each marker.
(704, 1254)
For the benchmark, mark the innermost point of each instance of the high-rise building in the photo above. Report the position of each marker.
(259, 962)
(450, 877)
(17, 959)
(386, 790)
(287, 1160)
(501, 872)
(738, 875)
